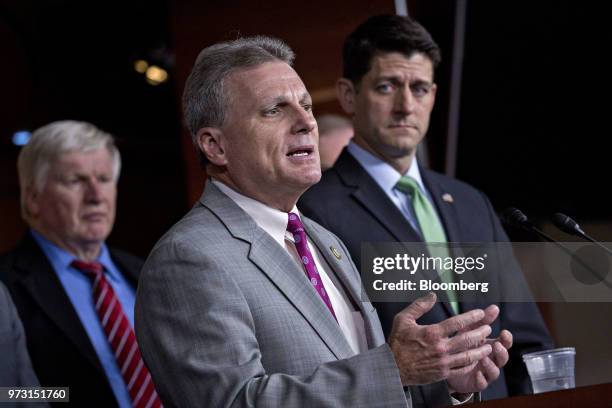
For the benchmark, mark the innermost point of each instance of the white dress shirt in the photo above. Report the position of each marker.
(274, 223)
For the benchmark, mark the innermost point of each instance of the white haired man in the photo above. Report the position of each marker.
(76, 296)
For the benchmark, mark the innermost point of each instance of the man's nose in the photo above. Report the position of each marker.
(404, 101)
(304, 121)
(93, 191)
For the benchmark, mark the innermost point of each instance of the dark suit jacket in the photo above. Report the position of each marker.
(350, 203)
(60, 349)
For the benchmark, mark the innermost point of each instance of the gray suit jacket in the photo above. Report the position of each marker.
(225, 317)
(15, 366)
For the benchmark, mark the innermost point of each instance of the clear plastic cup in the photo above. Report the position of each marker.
(551, 370)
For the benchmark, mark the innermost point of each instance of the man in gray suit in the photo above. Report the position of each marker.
(15, 366)
(244, 302)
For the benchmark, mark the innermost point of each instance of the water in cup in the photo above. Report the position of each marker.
(552, 384)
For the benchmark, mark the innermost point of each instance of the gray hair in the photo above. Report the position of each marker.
(49, 142)
(204, 102)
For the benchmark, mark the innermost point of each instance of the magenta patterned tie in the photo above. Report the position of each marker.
(296, 228)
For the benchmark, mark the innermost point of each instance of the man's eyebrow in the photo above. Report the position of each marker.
(269, 103)
(277, 100)
(399, 78)
(388, 77)
(305, 97)
(283, 99)
(420, 82)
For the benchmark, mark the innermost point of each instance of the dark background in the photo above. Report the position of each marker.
(74, 60)
(534, 123)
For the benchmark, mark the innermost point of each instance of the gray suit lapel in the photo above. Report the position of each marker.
(279, 267)
(325, 248)
(351, 285)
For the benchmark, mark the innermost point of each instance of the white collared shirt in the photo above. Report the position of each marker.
(274, 223)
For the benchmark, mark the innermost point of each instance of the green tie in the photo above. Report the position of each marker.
(431, 229)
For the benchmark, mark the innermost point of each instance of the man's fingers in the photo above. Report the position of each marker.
(461, 371)
(505, 338)
(461, 322)
(481, 382)
(420, 306)
(489, 369)
(490, 314)
(469, 340)
(469, 356)
(499, 355)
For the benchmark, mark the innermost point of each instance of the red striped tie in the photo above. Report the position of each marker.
(121, 337)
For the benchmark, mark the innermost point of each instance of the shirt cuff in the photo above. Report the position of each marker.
(460, 399)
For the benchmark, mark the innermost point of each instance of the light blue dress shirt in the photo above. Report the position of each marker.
(387, 177)
(79, 291)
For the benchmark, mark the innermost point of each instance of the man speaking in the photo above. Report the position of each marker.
(245, 302)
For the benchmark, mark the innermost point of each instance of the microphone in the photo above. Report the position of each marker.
(569, 226)
(514, 217)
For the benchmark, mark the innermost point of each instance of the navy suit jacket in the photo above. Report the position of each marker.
(61, 352)
(350, 203)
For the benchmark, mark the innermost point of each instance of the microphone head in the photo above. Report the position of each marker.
(566, 224)
(514, 217)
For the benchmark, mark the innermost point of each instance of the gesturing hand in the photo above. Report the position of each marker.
(426, 354)
(487, 370)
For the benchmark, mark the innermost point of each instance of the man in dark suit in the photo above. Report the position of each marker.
(369, 195)
(74, 295)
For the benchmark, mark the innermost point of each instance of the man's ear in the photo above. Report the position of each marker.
(211, 143)
(434, 88)
(31, 201)
(345, 91)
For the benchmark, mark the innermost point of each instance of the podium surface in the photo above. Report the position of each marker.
(593, 396)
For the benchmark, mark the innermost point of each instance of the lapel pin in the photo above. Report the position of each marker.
(448, 198)
(335, 252)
